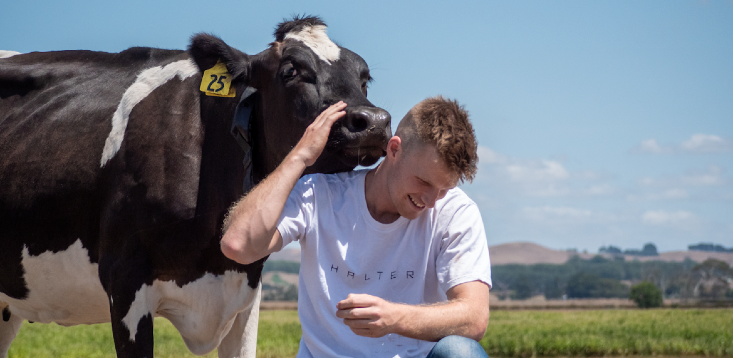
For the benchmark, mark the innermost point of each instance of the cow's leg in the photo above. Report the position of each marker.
(9, 327)
(241, 341)
(131, 304)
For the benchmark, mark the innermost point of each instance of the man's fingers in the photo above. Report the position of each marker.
(328, 114)
(356, 313)
(354, 300)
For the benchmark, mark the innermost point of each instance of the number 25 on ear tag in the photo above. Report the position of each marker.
(217, 81)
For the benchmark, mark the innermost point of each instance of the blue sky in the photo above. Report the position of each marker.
(604, 122)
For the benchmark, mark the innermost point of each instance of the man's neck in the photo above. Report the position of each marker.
(377, 197)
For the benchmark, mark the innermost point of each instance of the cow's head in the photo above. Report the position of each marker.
(298, 76)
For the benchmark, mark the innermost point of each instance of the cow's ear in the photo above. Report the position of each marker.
(207, 50)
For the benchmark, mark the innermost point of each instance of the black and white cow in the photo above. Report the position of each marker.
(116, 172)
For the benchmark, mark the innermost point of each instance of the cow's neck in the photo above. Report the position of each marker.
(222, 173)
(268, 150)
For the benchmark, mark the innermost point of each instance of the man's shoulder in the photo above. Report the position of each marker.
(454, 199)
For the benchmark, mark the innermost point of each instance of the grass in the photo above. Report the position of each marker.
(510, 334)
(610, 333)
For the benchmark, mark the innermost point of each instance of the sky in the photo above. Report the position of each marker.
(599, 123)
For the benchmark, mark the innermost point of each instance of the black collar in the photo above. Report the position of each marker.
(241, 126)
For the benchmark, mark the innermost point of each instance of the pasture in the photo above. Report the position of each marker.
(673, 332)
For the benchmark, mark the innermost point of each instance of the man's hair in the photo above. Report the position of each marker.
(444, 124)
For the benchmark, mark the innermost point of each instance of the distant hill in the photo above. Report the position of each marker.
(527, 253)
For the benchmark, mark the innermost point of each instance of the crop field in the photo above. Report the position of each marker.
(671, 332)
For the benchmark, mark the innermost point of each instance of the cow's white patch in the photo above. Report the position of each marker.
(315, 37)
(6, 54)
(203, 311)
(146, 82)
(63, 287)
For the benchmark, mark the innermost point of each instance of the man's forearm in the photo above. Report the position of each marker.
(431, 323)
(252, 222)
(466, 313)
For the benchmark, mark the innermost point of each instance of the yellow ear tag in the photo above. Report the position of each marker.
(217, 81)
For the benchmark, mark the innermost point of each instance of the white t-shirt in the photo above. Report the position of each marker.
(344, 250)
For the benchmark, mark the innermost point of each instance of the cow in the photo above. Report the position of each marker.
(117, 171)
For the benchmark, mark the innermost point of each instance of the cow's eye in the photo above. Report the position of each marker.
(364, 89)
(289, 72)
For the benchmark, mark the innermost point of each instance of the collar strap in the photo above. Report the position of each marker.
(240, 130)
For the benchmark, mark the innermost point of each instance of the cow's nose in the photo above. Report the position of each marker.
(359, 119)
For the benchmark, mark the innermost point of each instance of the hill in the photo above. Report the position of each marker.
(527, 253)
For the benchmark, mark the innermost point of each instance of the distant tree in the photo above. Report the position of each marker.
(552, 289)
(598, 259)
(649, 250)
(705, 246)
(609, 250)
(646, 295)
(522, 288)
(714, 273)
(588, 285)
(281, 265)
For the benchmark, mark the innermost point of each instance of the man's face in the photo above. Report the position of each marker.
(419, 180)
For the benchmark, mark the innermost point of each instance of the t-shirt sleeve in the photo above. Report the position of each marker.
(464, 252)
(298, 211)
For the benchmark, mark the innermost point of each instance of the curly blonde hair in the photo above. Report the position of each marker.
(444, 124)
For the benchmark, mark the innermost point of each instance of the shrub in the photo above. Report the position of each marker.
(646, 295)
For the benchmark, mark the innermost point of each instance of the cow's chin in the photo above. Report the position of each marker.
(364, 156)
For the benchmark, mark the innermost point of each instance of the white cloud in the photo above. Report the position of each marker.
(548, 191)
(545, 170)
(706, 143)
(551, 213)
(488, 156)
(651, 146)
(647, 181)
(697, 144)
(662, 217)
(597, 190)
(675, 193)
(712, 176)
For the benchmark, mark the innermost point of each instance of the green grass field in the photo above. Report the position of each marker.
(671, 332)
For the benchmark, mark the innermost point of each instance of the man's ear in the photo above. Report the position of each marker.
(206, 50)
(394, 147)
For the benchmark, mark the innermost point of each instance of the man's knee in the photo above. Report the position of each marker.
(457, 346)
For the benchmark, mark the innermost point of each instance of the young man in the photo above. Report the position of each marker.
(394, 258)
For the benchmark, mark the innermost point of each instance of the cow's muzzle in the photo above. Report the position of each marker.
(363, 133)
(360, 119)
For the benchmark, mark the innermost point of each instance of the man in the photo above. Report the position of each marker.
(394, 258)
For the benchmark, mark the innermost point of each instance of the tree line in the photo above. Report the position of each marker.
(600, 277)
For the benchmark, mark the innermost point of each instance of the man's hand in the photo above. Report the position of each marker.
(368, 316)
(314, 139)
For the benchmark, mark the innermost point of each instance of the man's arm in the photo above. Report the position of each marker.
(466, 313)
(251, 230)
